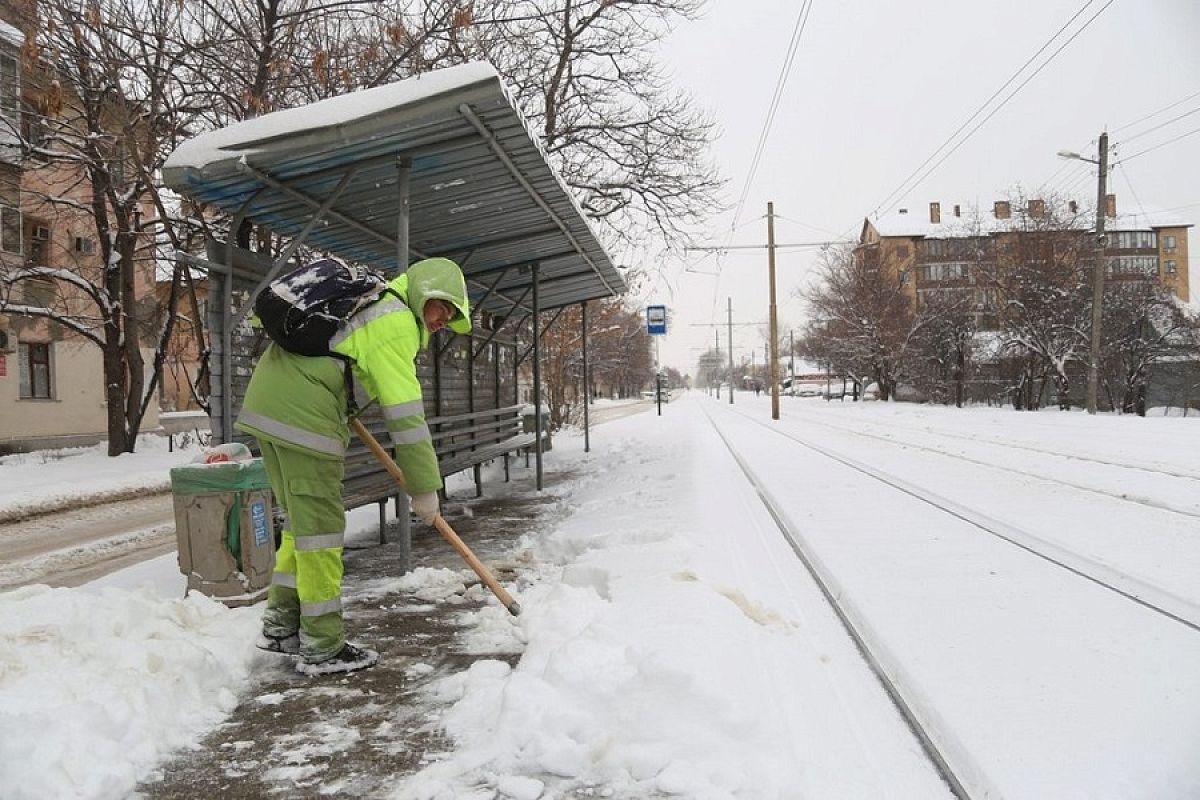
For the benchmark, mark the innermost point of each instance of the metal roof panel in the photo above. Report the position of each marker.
(480, 188)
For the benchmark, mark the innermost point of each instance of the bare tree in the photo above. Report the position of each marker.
(1143, 325)
(618, 354)
(634, 150)
(864, 321)
(100, 116)
(1042, 286)
(946, 346)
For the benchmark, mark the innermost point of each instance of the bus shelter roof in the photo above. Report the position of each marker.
(479, 187)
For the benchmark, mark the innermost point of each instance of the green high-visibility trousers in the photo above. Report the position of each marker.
(306, 588)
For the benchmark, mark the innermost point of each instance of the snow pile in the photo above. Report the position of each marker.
(615, 689)
(96, 687)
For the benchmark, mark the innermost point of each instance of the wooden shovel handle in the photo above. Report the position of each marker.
(439, 522)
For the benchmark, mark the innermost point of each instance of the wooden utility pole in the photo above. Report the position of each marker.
(729, 302)
(774, 326)
(1098, 278)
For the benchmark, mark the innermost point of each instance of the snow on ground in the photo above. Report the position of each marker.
(672, 643)
(37, 482)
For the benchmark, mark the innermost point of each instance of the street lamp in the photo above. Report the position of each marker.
(1098, 269)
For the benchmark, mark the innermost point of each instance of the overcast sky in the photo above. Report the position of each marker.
(875, 88)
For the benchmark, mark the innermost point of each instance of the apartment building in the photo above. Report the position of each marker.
(51, 378)
(947, 250)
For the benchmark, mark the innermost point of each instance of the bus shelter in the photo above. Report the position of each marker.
(442, 164)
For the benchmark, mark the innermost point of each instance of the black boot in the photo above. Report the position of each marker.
(287, 645)
(350, 658)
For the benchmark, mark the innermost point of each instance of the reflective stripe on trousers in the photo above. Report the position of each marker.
(310, 553)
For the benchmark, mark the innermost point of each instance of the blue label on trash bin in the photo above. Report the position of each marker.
(258, 518)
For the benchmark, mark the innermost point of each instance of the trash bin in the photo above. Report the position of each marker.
(223, 524)
(529, 424)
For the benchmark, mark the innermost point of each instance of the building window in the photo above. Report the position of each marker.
(35, 371)
(1132, 265)
(39, 293)
(85, 245)
(10, 89)
(901, 251)
(1172, 268)
(950, 271)
(1133, 240)
(10, 230)
(39, 246)
(1169, 243)
(986, 299)
(937, 247)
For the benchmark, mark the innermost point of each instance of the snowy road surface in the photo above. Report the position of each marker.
(71, 546)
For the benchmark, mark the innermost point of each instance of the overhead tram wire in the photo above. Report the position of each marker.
(1161, 125)
(784, 72)
(996, 110)
(1059, 179)
(984, 105)
(1155, 113)
(908, 184)
(1123, 159)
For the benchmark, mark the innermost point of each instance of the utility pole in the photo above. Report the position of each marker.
(1098, 277)
(729, 301)
(717, 354)
(1098, 269)
(774, 323)
(792, 354)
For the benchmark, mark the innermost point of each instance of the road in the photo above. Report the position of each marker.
(69, 548)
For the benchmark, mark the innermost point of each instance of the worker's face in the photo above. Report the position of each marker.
(437, 314)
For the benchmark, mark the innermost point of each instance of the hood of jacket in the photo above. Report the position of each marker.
(435, 279)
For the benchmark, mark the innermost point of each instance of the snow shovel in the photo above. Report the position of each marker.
(442, 526)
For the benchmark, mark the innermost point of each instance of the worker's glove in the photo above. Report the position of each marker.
(426, 506)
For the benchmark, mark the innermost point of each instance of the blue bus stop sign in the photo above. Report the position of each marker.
(656, 320)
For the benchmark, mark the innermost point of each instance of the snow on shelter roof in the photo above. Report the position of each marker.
(481, 190)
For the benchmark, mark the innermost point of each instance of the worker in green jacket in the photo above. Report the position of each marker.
(296, 407)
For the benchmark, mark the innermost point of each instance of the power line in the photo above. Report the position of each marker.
(1156, 113)
(784, 72)
(904, 185)
(807, 225)
(1129, 183)
(1192, 132)
(1161, 125)
(1011, 95)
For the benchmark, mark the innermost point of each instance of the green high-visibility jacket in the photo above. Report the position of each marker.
(300, 401)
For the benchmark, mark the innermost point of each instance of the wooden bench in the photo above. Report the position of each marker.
(461, 441)
(474, 438)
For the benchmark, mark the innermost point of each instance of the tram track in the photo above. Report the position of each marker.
(1025, 473)
(1110, 578)
(956, 766)
(948, 767)
(1028, 448)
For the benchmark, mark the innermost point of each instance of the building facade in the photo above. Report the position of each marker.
(949, 251)
(1025, 265)
(51, 378)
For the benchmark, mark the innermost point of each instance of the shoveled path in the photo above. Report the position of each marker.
(359, 735)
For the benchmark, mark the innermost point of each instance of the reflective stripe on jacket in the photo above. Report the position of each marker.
(298, 402)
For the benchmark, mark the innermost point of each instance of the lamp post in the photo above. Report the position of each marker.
(1098, 268)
